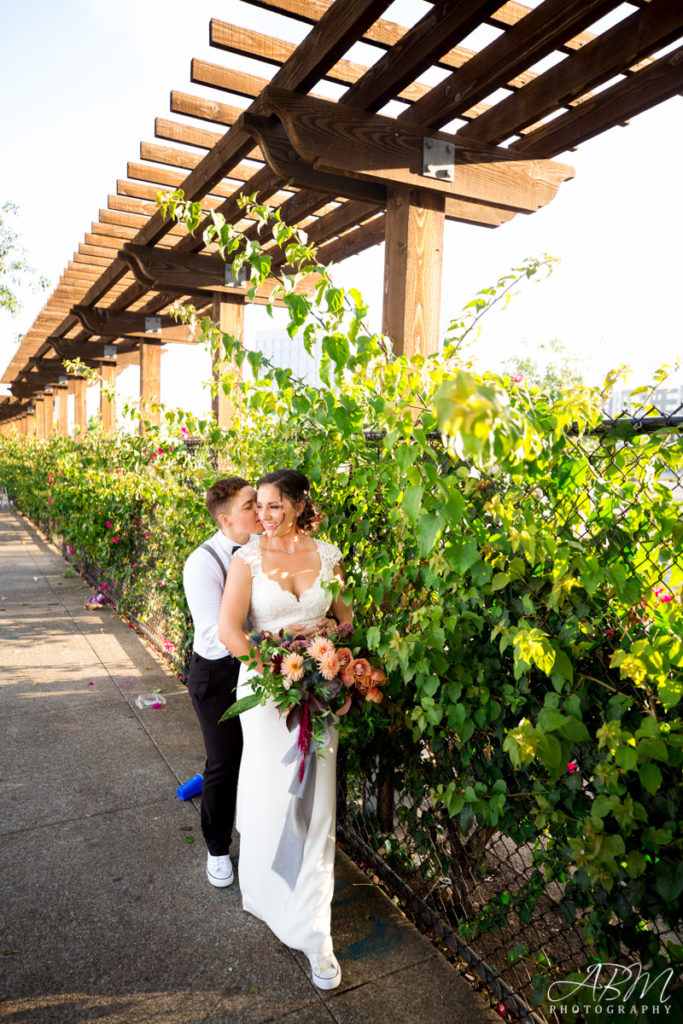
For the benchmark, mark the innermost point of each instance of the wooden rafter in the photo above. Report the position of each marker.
(307, 162)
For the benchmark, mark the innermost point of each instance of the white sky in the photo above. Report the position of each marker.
(82, 80)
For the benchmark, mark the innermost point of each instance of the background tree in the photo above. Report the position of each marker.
(15, 270)
(549, 366)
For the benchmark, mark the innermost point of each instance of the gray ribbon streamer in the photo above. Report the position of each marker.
(290, 850)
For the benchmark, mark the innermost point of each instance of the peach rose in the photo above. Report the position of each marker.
(378, 677)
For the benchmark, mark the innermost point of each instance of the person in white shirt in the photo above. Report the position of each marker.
(213, 671)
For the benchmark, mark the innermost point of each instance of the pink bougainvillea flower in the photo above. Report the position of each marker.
(115, 540)
(572, 767)
(293, 667)
(147, 535)
(49, 501)
(91, 683)
(108, 523)
(329, 665)
(518, 378)
(184, 432)
(319, 646)
(156, 704)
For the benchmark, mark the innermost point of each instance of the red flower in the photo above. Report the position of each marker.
(518, 378)
(572, 767)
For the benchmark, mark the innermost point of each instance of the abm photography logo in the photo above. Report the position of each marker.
(614, 990)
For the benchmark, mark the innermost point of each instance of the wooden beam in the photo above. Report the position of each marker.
(286, 164)
(520, 47)
(446, 23)
(204, 109)
(80, 388)
(91, 352)
(150, 383)
(352, 242)
(129, 324)
(651, 28)
(348, 141)
(245, 42)
(412, 271)
(188, 161)
(653, 84)
(177, 271)
(173, 131)
(48, 407)
(107, 407)
(228, 315)
(63, 413)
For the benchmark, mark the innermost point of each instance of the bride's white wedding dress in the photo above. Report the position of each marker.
(299, 916)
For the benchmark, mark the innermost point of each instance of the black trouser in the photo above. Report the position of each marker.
(212, 687)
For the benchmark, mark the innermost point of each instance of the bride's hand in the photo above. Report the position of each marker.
(323, 626)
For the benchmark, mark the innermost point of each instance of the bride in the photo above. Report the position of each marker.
(276, 580)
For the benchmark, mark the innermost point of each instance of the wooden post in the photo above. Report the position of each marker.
(63, 412)
(412, 270)
(30, 424)
(150, 381)
(107, 408)
(80, 409)
(49, 416)
(228, 315)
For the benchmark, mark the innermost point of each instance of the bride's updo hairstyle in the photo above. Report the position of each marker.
(294, 485)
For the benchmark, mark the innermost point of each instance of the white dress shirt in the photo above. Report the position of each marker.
(204, 582)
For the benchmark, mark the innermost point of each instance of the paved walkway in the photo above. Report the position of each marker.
(105, 911)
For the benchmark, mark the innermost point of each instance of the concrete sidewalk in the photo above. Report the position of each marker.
(105, 911)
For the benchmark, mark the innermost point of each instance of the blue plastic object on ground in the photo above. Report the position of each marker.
(192, 787)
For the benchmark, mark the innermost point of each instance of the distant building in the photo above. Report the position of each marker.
(664, 402)
(289, 353)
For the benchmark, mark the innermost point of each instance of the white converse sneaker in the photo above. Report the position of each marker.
(219, 871)
(325, 970)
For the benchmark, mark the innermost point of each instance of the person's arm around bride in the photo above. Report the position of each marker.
(234, 611)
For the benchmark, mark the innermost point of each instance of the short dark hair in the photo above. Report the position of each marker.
(294, 485)
(220, 496)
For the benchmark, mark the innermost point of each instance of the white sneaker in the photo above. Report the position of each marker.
(325, 970)
(219, 871)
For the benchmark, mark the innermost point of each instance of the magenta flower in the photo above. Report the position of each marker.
(115, 540)
(518, 378)
(108, 523)
(49, 501)
(572, 767)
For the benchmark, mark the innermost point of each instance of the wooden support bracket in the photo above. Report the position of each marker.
(338, 139)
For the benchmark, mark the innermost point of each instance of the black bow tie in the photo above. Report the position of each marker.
(236, 548)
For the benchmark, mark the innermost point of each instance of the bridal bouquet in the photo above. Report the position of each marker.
(310, 679)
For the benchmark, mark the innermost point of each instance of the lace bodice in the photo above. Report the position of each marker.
(273, 608)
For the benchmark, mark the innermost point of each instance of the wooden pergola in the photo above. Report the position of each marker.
(478, 148)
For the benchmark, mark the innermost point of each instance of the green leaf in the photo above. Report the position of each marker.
(650, 776)
(499, 581)
(412, 500)
(427, 530)
(240, 706)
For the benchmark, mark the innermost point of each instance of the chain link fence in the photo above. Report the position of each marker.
(480, 893)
